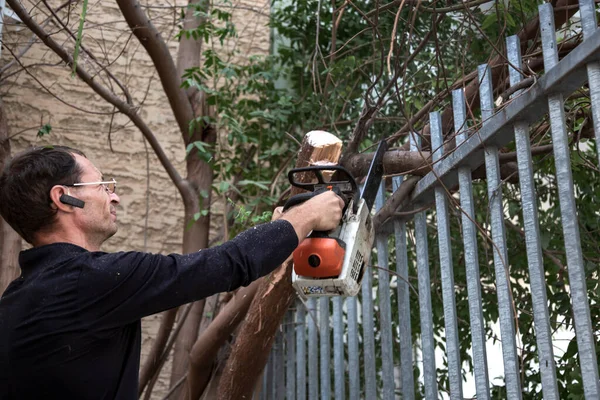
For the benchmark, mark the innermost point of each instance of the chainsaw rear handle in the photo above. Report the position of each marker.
(302, 197)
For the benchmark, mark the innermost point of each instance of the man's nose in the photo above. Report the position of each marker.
(114, 198)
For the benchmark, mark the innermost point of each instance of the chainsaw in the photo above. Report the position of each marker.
(333, 263)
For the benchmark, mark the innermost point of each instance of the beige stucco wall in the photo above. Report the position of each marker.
(79, 118)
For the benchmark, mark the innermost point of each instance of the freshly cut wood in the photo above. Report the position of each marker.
(323, 146)
(250, 351)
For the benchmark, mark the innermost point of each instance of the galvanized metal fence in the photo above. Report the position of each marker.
(305, 362)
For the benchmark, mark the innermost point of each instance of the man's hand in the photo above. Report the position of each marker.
(321, 213)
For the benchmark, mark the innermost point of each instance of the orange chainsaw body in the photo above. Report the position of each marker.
(319, 257)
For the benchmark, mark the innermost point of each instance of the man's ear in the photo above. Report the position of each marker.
(62, 200)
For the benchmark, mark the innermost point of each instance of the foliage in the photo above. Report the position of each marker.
(44, 130)
(328, 88)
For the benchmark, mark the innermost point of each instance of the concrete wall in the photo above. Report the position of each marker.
(151, 213)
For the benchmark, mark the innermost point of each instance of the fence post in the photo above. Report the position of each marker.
(501, 265)
(469, 230)
(446, 267)
(562, 159)
(385, 307)
(404, 325)
(425, 311)
(532, 235)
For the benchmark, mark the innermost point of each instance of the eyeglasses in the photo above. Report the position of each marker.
(109, 186)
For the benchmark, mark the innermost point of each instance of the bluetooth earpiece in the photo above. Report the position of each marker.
(72, 201)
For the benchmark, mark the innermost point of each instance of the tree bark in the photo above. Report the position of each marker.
(9, 261)
(10, 241)
(200, 176)
(206, 349)
(394, 162)
(183, 346)
(152, 362)
(251, 348)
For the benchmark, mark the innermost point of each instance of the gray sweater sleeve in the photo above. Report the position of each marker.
(119, 288)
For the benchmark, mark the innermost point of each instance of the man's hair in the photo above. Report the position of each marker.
(25, 187)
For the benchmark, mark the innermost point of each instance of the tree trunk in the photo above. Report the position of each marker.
(251, 349)
(205, 351)
(149, 369)
(200, 177)
(183, 346)
(10, 241)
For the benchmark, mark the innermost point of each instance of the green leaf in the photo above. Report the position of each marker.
(223, 186)
(571, 349)
(44, 130)
(261, 185)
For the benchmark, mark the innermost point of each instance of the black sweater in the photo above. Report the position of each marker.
(70, 324)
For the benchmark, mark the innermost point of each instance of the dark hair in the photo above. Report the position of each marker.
(25, 186)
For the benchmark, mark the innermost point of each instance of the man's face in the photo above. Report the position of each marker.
(98, 218)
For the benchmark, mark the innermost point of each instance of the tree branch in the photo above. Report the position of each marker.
(395, 201)
(89, 53)
(152, 363)
(394, 162)
(102, 92)
(158, 51)
(207, 346)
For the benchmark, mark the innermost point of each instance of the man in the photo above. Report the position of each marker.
(70, 324)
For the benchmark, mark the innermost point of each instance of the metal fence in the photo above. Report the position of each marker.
(306, 363)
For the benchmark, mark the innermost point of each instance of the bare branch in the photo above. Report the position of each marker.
(395, 201)
(158, 51)
(89, 53)
(104, 93)
(152, 363)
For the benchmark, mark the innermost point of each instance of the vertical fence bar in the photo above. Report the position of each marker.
(587, 10)
(469, 233)
(562, 159)
(267, 392)
(532, 236)
(279, 366)
(338, 348)
(313, 350)
(263, 388)
(324, 344)
(501, 265)
(353, 365)
(290, 356)
(300, 350)
(447, 269)
(425, 310)
(385, 307)
(404, 325)
(370, 370)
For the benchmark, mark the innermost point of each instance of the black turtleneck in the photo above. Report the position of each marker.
(70, 324)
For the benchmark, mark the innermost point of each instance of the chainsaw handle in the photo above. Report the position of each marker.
(302, 197)
(297, 199)
(342, 175)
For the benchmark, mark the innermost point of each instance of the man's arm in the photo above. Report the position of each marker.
(123, 287)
